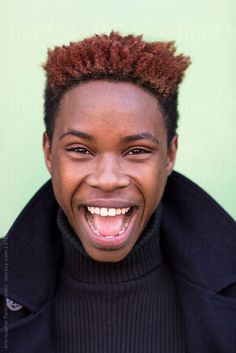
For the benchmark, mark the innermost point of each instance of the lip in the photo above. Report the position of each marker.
(106, 243)
(111, 203)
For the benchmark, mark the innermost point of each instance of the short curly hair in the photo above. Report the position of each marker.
(150, 65)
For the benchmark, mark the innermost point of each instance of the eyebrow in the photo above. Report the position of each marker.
(77, 133)
(141, 136)
(129, 138)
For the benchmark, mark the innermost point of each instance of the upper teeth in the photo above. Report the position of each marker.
(108, 211)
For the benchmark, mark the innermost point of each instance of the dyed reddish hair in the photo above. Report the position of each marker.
(151, 65)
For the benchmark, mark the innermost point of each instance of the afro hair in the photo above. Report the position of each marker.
(151, 65)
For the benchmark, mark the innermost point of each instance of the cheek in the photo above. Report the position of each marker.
(155, 182)
(65, 180)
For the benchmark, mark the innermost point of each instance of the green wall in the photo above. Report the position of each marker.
(205, 30)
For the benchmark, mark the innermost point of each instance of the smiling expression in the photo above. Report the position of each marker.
(109, 164)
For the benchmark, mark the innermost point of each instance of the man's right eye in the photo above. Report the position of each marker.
(78, 149)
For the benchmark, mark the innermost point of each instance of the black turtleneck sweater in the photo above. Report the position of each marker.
(126, 307)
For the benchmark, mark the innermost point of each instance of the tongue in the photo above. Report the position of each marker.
(108, 226)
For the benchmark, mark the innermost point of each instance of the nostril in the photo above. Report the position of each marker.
(108, 181)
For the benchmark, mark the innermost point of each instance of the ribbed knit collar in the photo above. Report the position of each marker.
(143, 258)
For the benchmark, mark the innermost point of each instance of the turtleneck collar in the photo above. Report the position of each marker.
(143, 258)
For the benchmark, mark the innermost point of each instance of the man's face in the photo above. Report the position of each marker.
(109, 163)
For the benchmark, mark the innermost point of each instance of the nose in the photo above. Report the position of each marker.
(108, 174)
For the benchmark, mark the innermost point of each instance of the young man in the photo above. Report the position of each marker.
(117, 253)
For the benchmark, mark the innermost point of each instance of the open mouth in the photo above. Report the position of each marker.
(109, 222)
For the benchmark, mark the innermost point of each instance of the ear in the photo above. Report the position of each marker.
(47, 152)
(171, 154)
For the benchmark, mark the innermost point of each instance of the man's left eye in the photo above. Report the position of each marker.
(138, 151)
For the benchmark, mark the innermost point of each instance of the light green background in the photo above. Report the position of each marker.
(205, 30)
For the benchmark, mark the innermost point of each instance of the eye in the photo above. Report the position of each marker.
(137, 151)
(79, 150)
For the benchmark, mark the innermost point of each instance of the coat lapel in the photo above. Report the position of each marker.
(30, 260)
(199, 240)
(209, 319)
(199, 237)
(31, 252)
(31, 334)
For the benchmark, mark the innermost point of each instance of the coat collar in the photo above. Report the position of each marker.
(198, 237)
(30, 252)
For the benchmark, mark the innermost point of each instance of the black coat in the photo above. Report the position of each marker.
(197, 237)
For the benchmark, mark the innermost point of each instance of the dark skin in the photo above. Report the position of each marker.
(109, 150)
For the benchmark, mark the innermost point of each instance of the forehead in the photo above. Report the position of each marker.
(95, 103)
(98, 93)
